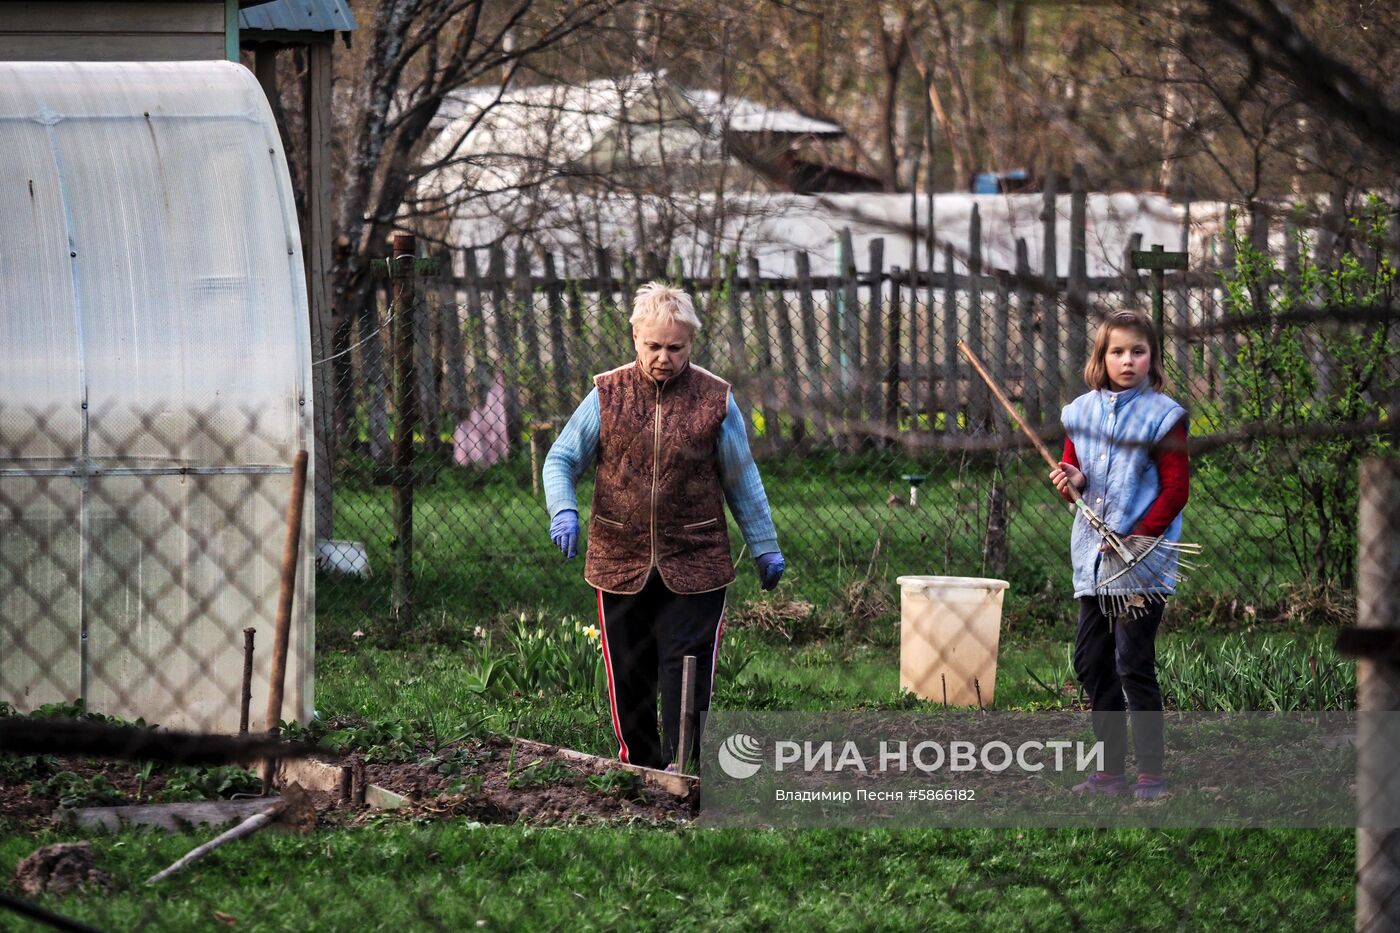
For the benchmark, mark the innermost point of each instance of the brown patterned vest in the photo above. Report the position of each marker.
(657, 500)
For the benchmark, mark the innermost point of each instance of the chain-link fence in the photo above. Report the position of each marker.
(136, 557)
(882, 453)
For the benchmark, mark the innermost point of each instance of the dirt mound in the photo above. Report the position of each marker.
(59, 869)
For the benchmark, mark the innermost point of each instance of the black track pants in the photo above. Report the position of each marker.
(645, 638)
(1119, 672)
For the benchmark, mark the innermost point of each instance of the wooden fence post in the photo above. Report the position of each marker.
(1132, 282)
(506, 354)
(483, 374)
(582, 347)
(524, 307)
(739, 371)
(426, 361)
(607, 311)
(404, 313)
(949, 387)
(375, 380)
(892, 363)
(1025, 309)
(454, 351)
(816, 402)
(1049, 302)
(920, 369)
(978, 401)
(1210, 349)
(851, 360)
(629, 287)
(1001, 341)
(793, 403)
(874, 355)
(560, 370)
(1181, 311)
(772, 429)
(1228, 341)
(1377, 699)
(1077, 294)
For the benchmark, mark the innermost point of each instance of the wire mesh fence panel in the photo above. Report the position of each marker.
(849, 385)
(461, 665)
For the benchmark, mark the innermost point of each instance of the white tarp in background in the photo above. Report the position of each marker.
(773, 226)
(154, 390)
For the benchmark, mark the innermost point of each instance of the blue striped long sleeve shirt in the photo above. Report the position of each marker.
(577, 447)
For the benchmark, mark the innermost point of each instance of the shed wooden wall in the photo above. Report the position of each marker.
(96, 31)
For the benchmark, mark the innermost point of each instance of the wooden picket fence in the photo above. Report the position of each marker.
(814, 358)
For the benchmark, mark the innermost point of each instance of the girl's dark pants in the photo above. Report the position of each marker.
(646, 636)
(1118, 670)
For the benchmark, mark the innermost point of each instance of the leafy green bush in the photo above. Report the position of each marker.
(1303, 376)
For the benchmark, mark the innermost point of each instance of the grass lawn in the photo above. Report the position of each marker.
(428, 685)
(835, 527)
(459, 876)
(395, 873)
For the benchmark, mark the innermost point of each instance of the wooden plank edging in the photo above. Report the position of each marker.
(679, 785)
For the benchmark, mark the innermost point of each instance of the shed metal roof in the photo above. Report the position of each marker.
(298, 16)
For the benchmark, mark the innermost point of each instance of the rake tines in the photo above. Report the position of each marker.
(1129, 577)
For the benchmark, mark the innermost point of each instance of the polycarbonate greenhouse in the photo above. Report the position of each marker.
(154, 391)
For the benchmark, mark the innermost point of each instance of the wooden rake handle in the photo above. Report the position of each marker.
(1010, 409)
(1095, 522)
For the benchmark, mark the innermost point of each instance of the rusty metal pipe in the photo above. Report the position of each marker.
(246, 699)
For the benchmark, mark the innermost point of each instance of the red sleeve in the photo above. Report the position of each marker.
(1174, 478)
(1072, 459)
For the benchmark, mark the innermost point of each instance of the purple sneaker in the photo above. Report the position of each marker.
(1101, 784)
(1150, 786)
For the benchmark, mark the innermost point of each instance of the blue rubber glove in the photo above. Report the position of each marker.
(770, 569)
(563, 531)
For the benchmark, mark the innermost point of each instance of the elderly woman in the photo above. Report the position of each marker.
(670, 446)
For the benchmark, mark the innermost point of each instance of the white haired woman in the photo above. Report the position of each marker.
(671, 447)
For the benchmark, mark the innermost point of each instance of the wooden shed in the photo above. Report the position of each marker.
(104, 31)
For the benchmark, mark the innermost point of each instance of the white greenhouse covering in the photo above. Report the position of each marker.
(154, 391)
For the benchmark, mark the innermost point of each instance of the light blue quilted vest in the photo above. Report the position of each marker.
(1113, 435)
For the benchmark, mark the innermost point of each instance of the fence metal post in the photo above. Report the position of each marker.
(1378, 689)
(402, 314)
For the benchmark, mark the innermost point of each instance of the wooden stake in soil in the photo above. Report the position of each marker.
(291, 550)
(247, 695)
(687, 713)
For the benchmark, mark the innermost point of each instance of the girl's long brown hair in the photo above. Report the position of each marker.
(1096, 370)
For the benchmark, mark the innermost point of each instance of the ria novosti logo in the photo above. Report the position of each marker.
(741, 756)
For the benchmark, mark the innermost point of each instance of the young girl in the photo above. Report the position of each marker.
(1125, 453)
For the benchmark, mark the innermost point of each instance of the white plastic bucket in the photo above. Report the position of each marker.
(950, 628)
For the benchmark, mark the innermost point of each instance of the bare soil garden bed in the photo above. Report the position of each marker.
(491, 780)
(498, 780)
